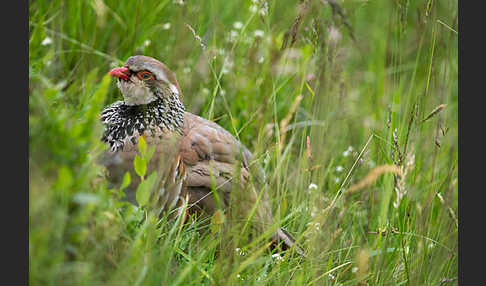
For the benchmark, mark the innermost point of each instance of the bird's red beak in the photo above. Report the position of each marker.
(121, 72)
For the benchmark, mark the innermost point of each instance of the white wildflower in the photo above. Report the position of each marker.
(237, 25)
(354, 269)
(263, 11)
(277, 257)
(339, 169)
(233, 35)
(348, 151)
(261, 60)
(258, 33)
(312, 186)
(46, 41)
(222, 92)
(166, 26)
(253, 8)
(334, 35)
(146, 43)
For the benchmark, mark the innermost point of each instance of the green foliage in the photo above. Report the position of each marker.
(143, 189)
(367, 82)
(140, 165)
(126, 181)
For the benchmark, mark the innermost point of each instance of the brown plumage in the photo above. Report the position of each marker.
(191, 153)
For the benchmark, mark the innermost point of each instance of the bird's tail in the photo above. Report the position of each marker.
(283, 240)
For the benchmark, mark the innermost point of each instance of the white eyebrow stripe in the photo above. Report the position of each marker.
(162, 76)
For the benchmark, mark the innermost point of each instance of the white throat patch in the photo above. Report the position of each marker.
(135, 93)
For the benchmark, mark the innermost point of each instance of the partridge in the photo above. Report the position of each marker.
(193, 156)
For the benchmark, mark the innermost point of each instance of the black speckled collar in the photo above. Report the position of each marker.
(121, 120)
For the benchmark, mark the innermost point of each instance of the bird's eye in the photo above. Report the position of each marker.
(144, 75)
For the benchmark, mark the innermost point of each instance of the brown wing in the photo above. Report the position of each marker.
(212, 154)
(208, 151)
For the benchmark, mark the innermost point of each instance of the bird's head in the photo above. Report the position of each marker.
(143, 79)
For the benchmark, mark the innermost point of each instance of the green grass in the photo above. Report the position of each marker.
(362, 106)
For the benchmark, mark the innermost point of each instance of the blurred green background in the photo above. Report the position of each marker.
(325, 93)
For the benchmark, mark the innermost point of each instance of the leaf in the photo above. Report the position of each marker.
(329, 261)
(140, 166)
(64, 178)
(126, 181)
(143, 189)
(142, 146)
(150, 153)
